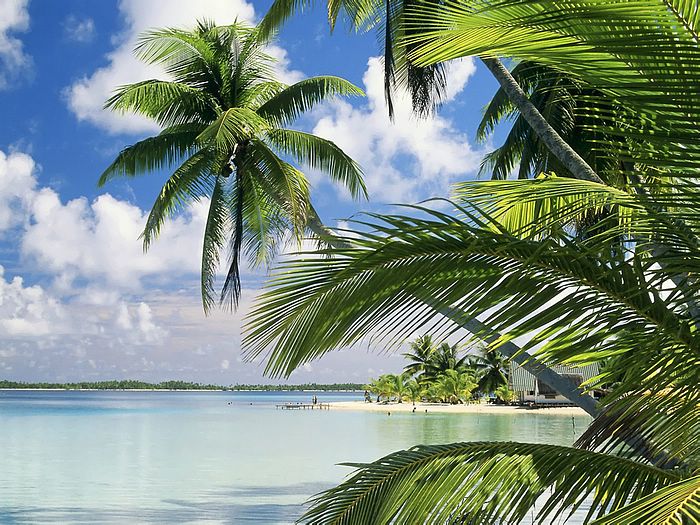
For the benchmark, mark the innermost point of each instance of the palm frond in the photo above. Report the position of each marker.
(367, 289)
(531, 208)
(484, 483)
(277, 14)
(153, 153)
(215, 239)
(320, 154)
(677, 504)
(233, 126)
(284, 183)
(168, 103)
(191, 181)
(287, 105)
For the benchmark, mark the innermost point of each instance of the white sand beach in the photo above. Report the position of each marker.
(454, 409)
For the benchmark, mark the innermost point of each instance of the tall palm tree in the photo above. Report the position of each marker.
(456, 386)
(492, 369)
(422, 350)
(415, 390)
(224, 119)
(380, 387)
(398, 386)
(446, 357)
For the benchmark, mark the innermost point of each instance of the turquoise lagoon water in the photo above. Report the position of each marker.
(207, 457)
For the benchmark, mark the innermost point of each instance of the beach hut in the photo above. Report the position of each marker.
(528, 389)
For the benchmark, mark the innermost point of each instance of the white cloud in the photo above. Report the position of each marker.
(27, 311)
(87, 96)
(31, 312)
(99, 240)
(434, 152)
(17, 184)
(81, 30)
(14, 17)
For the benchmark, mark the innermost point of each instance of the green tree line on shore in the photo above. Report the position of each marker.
(132, 384)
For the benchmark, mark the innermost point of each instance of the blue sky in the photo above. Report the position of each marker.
(78, 298)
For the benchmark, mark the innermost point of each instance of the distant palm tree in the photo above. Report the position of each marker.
(422, 350)
(224, 118)
(492, 369)
(397, 385)
(454, 386)
(446, 357)
(415, 391)
(505, 394)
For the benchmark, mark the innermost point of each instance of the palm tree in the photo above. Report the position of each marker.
(414, 390)
(224, 121)
(492, 370)
(446, 357)
(380, 387)
(397, 386)
(505, 394)
(422, 350)
(455, 386)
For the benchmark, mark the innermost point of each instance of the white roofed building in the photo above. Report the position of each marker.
(528, 389)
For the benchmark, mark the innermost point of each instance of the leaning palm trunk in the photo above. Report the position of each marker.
(544, 130)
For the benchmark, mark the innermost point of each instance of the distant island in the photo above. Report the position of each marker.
(131, 384)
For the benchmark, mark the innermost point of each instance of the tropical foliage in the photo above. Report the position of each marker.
(225, 136)
(580, 270)
(442, 373)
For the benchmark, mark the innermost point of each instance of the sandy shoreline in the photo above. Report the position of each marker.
(453, 409)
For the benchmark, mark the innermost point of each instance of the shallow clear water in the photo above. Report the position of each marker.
(207, 457)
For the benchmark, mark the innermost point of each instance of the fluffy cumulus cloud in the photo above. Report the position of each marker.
(17, 185)
(99, 241)
(27, 310)
(409, 158)
(81, 30)
(87, 95)
(86, 303)
(14, 18)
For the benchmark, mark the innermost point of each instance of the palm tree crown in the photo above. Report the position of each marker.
(422, 351)
(223, 117)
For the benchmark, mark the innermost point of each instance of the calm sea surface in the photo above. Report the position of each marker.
(207, 457)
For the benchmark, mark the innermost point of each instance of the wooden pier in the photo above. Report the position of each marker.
(304, 406)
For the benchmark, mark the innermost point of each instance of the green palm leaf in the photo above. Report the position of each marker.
(484, 483)
(191, 181)
(168, 103)
(676, 504)
(233, 126)
(153, 153)
(215, 239)
(320, 154)
(291, 102)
